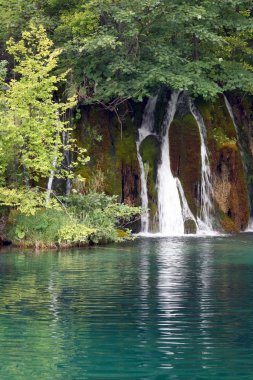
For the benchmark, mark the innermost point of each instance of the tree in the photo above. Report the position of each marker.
(31, 123)
(128, 49)
(136, 47)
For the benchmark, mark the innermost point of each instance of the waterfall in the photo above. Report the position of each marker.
(186, 212)
(250, 226)
(173, 209)
(144, 131)
(171, 220)
(231, 114)
(206, 191)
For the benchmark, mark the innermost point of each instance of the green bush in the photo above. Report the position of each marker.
(40, 229)
(104, 213)
(94, 218)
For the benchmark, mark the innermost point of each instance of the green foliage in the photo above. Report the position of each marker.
(2, 72)
(222, 140)
(104, 213)
(127, 49)
(95, 218)
(30, 118)
(48, 228)
(27, 201)
(32, 123)
(43, 228)
(75, 233)
(202, 47)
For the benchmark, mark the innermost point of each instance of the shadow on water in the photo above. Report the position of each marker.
(169, 308)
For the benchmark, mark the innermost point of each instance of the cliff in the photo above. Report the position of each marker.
(114, 166)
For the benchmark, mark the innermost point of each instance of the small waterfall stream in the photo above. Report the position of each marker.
(205, 217)
(171, 221)
(173, 209)
(186, 212)
(231, 114)
(145, 130)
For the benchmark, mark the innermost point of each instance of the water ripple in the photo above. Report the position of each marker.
(174, 308)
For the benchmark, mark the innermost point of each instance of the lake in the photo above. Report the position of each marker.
(168, 308)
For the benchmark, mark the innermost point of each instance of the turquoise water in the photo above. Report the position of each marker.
(177, 309)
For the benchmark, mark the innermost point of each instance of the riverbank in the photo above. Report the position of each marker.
(78, 221)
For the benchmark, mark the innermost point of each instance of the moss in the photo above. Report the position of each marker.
(232, 145)
(190, 227)
(150, 151)
(161, 108)
(242, 108)
(220, 127)
(226, 165)
(228, 225)
(126, 161)
(113, 166)
(185, 157)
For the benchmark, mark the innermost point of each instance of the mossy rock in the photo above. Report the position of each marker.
(150, 150)
(219, 125)
(242, 107)
(230, 187)
(113, 166)
(161, 108)
(228, 225)
(126, 160)
(184, 139)
(190, 227)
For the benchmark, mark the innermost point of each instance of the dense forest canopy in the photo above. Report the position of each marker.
(128, 49)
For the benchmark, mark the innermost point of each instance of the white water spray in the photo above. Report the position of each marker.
(145, 130)
(206, 190)
(231, 114)
(171, 220)
(186, 212)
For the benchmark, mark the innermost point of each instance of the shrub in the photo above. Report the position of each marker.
(94, 218)
(104, 213)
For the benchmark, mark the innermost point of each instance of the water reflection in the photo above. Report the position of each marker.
(153, 309)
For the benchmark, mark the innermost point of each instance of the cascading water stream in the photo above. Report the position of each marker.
(145, 130)
(206, 190)
(171, 221)
(173, 209)
(231, 114)
(186, 212)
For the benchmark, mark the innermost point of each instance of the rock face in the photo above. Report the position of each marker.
(114, 167)
(243, 109)
(150, 150)
(230, 191)
(185, 157)
(229, 181)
